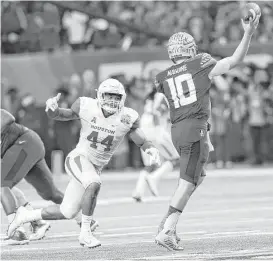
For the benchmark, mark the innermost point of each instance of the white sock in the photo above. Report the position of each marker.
(34, 215)
(165, 168)
(78, 217)
(86, 222)
(19, 195)
(171, 221)
(11, 217)
(141, 183)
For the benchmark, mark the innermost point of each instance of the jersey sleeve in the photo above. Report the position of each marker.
(76, 106)
(133, 117)
(136, 124)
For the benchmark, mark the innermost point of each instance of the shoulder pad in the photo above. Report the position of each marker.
(206, 60)
(129, 116)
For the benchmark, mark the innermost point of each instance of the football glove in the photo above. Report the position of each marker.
(52, 103)
(154, 156)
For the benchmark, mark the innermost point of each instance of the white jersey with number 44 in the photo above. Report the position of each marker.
(100, 136)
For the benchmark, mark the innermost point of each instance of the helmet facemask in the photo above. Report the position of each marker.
(111, 105)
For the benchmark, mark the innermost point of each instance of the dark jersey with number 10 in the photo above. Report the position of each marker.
(186, 87)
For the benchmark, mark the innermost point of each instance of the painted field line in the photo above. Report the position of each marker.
(208, 236)
(229, 254)
(188, 213)
(68, 248)
(189, 221)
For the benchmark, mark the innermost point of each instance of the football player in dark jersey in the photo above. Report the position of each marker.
(22, 156)
(186, 86)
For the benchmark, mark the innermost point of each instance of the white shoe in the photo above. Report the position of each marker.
(19, 237)
(152, 185)
(39, 229)
(19, 219)
(140, 186)
(87, 239)
(168, 240)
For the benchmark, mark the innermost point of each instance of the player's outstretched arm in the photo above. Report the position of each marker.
(61, 114)
(228, 63)
(141, 141)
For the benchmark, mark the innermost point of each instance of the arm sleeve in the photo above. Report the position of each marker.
(76, 106)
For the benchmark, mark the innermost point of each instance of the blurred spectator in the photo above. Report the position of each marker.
(66, 133)
(89, 84)
(257, 116)
(37, 26)
(75, 88)
(221, 112)
(75, 23)
(12, 101)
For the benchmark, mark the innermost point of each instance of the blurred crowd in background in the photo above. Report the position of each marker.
(242, 103)
(33, 26)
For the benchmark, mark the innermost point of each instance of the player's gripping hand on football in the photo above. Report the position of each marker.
(52, 103)
(251, 25)
(154, 156)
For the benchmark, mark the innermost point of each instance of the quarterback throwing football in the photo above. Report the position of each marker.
(104, 123)
(186, 86)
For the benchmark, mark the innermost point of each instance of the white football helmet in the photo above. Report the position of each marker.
(181, 45)
(111, 86)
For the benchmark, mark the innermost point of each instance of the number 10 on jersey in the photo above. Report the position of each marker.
(182, 90)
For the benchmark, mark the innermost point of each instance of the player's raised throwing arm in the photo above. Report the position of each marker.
(62, 114)
(228, 63)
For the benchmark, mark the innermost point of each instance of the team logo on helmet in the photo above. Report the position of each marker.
(111, 86)
(181, 45)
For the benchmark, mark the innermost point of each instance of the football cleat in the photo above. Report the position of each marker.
(137, 198)
(93, 226)
(87, 239)
(19, 219)
(168, 240)
(152, 184)
(39, 229)
(178, 239)
(19, 237)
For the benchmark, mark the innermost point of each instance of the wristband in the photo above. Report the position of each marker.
(147, 145)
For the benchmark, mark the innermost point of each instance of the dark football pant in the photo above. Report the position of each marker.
(190, 140)
(25, 159)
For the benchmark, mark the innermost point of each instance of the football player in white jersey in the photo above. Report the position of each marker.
(104, 123)
(155, 119)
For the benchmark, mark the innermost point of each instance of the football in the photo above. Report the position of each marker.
(251, 10)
